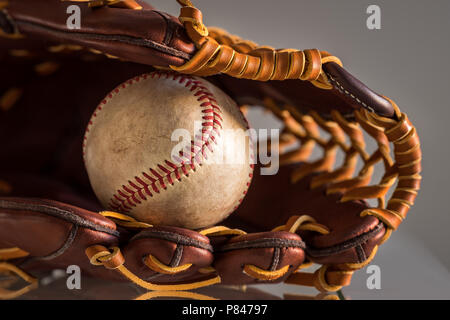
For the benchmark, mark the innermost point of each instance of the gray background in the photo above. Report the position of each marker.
(407, 60)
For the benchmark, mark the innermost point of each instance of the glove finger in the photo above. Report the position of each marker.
(264, 257)
(168, 254)
(51, 234)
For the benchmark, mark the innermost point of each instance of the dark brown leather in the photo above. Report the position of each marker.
(358, 94)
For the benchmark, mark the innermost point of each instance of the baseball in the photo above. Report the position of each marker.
(169, 149)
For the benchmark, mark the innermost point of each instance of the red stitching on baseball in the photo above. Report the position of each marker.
(125, 198)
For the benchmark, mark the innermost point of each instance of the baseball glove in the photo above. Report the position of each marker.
(313, 211)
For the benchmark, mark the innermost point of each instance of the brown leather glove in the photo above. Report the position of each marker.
(309, 212)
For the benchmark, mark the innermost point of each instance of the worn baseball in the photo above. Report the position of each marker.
(169, 149)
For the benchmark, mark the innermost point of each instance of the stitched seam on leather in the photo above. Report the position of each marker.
(349, 244)
(275, 259)
(136, 190)
(173, 237)
(113, 38)
(57, 213)
(169, 27)
(176, 258)
(348, 93)
(66, 245)
(360, 253)
(263, 243)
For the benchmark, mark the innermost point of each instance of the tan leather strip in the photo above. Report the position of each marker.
(265, 70)
(12, 253)
(313, 65)
(265, 275)
(153, 263)
(239, 63)
(296, 64)
(282, 65)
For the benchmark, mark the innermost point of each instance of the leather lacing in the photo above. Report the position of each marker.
(402, 170)
(219, 52)
(14, 273)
